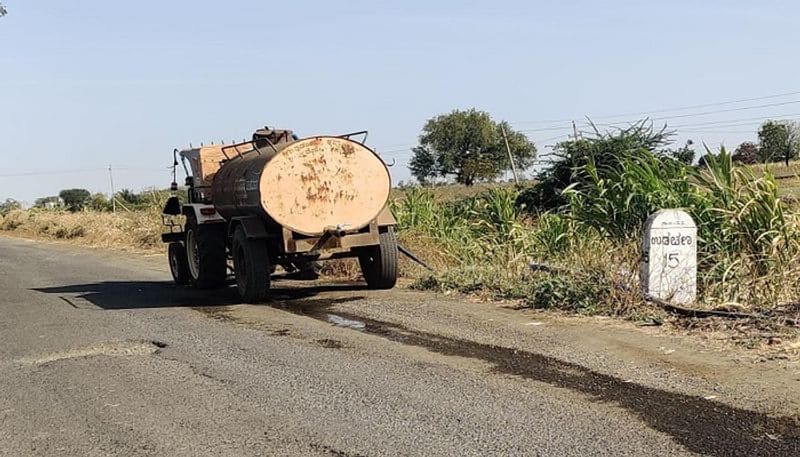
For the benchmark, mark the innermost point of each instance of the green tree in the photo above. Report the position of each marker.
(74, 199)
(423, 165)
(9, 205)
(705, 159)
(746, 153)
(684, 154)
(468, 145)
(778, 140)
(99, 202)
(129, 196)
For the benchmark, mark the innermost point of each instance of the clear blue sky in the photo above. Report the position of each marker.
(85, 84)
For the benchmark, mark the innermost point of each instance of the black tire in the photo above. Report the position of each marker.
(379, 263)
(251, 267)
(205, 254)
(178, 264)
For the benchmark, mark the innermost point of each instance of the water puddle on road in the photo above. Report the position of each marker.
(340, 321)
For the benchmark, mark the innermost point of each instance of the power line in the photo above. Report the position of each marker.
(397, 150)
(741, 124)
(729, 110)
(686, 127)
(663, 118)
(546, 129)
(729, 122)
(723, 123)
(50, 173)
(740, 120)
(566, 135)
(667, 110)
(719, 131)
(72, 172)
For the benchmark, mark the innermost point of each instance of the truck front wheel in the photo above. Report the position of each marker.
(251, 267)
(178, 264)
(379, 263)
(205, 253)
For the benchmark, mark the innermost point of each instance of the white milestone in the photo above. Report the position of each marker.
(669, 257)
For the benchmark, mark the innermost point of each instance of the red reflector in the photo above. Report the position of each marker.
(208, 211)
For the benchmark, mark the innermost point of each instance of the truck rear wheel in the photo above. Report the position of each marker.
(178, 264)
(205, 253)
(251, 267)
(379, 263)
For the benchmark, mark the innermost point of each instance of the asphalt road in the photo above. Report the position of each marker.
(101, 355)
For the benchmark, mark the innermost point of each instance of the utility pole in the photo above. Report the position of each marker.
(574, 130)
(510, 157)
(113, 192)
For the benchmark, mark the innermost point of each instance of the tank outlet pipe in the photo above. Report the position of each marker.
(413, 257)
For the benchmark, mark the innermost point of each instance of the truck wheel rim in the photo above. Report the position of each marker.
(173, 263)
(193, 254)
(240, 267)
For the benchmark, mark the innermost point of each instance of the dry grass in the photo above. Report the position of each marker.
(138, 230)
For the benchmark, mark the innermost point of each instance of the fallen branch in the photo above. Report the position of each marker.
(693, 312)
(680, 310)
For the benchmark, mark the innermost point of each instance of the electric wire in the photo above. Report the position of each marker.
(667, 110)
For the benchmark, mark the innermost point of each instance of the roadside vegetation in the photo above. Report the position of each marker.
(139, 230)
(89, 220)
(569, 240)
(572, 240)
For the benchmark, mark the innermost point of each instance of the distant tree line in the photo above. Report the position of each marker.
(81, 199)
(468, 146)
(778, 141)
(9, 205)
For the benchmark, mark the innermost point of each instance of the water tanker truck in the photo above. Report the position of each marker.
(279, 200)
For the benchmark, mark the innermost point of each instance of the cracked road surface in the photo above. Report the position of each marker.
(101, 355)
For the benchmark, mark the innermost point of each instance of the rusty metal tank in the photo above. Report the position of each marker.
(306, 185)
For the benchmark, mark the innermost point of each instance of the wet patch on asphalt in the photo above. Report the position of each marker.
(700, 425)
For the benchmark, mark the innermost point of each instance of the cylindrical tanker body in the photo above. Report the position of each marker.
(308, 186)
(235, 188)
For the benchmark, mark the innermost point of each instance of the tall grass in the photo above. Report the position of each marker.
(749, 238)
(488, 242)
(136, 230)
